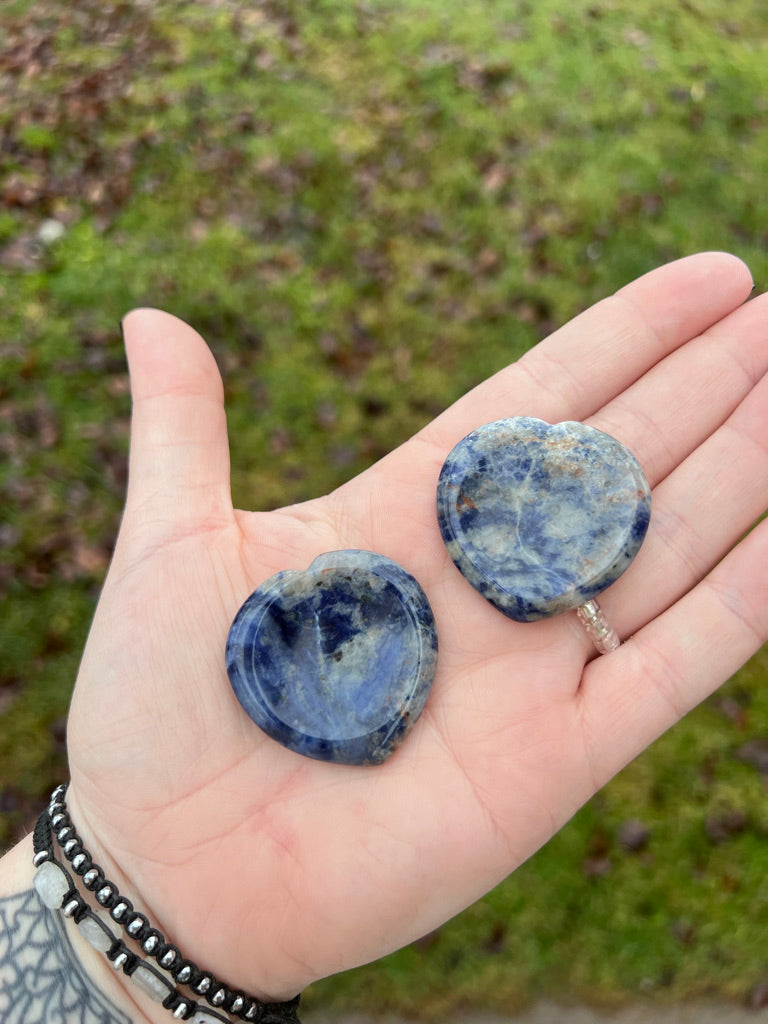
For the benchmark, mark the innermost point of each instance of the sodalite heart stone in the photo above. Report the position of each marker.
(541, 518)
(335, 662)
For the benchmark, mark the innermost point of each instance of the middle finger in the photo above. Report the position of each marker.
(666, 414)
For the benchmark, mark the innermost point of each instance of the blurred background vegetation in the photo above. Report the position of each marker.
(366, 208)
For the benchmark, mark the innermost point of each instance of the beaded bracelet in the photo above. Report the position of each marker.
(56, 822)
(56, 889)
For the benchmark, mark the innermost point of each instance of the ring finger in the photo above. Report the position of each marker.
(700, 510)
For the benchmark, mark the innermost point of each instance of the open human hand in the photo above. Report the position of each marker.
(274, 870)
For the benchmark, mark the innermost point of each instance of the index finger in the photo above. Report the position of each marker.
(601, 352)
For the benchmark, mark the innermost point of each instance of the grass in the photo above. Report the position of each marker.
(367, 208)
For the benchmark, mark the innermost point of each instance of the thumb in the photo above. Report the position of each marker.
(178, 481)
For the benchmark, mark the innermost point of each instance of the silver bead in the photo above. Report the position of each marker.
(70, 908)
(134, 926)
(150, 944)
(90, 877)
(38, 859)
(118, 911)
(219, 998)
(56, 803)
(168, 959)
(78, 860)
(56, 820)
(184, 975)
(203, 985)
(180, 1010)
(62, 834)
(251, 1011)
(237, 1004)
(119, 960)
(104, 893)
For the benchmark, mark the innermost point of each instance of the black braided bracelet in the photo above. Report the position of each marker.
(56, 888)
(55, 822)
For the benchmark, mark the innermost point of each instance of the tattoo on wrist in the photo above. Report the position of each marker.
(41, 977)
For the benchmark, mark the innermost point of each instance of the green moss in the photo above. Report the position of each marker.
(366, 209)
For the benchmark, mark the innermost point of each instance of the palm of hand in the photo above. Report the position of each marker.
(273, 870)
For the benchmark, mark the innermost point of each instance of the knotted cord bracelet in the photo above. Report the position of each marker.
(56, 888)
(182, 971)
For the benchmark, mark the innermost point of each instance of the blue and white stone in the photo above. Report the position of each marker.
(335, 662)
(541, 518)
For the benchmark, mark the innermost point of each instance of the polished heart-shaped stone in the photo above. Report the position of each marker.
(335, 662)
(541, 518)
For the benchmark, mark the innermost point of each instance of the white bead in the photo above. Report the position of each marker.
(99, 937)
(51, 884)
(151, 984)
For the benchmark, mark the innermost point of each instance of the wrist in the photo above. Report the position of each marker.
(132, 945)
(56, 973)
